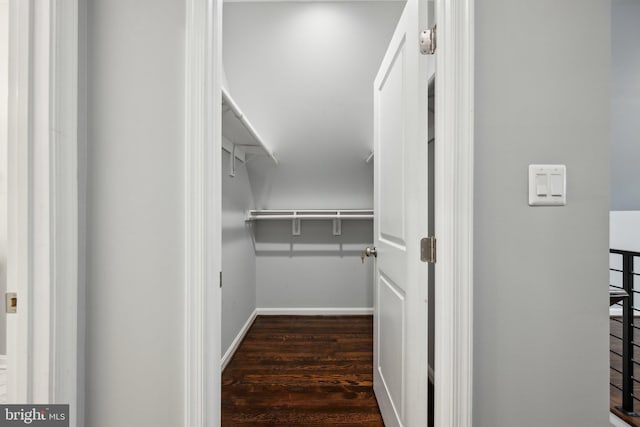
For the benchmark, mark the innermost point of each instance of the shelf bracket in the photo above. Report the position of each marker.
(337, 226)
(295, 226)
(232, 161)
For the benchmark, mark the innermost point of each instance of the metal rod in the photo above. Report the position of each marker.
(369, 157)
(627, 336)
(617, 354)
(304, 211)
(617, 370)
(623, 252)
(310, 214)
(308, 217)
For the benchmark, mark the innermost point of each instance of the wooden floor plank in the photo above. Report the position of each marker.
(307, 371)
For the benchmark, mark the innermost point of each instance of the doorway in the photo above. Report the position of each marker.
(297, 190)
(310, 225)
(454, 221)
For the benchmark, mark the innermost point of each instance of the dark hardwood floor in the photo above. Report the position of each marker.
(302, 371)
(317, 371)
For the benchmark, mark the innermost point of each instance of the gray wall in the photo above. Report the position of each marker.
(308, 91)
(135, 220)
(625, 105)
(315, 269)
(540, 310)
(238, 253)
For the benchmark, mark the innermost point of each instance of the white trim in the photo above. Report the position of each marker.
(43, 199)
(454, 213)
(20, 224)
(315, 311)
(237, 341)
(617, 422)
(65, 376)
(203, 151)
(3, 361)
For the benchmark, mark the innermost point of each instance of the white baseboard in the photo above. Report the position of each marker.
(3, 361)
(315, 311)
(236, 342)
(617, 422)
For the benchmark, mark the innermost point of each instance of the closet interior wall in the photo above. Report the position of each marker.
(238, 255)
(306, 85)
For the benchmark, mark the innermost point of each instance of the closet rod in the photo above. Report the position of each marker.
(228, 100)
(362, 214)
(316, 217)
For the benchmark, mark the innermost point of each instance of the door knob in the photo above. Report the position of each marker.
(367, 252)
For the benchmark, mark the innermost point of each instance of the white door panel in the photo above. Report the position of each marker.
(400, 187)
(390, 128)
(391, 318)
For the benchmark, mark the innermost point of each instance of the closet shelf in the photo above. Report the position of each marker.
(239, 130)
(310, 214)
(337, 216)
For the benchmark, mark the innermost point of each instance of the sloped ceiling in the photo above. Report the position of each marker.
(303, 73)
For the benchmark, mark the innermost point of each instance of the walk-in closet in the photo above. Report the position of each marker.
(298, 255)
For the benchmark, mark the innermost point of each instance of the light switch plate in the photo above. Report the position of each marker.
(547, 185)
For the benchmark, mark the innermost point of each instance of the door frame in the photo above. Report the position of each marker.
(44, 357)
(454, 213)
(203, 206)
(454, 163)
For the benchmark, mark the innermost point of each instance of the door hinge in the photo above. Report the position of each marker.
(221, 279)
(11, 302)
(428, 249)
(428, 41)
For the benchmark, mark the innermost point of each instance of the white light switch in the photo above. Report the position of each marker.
(547, 185)
(541, 185)
(557, 184)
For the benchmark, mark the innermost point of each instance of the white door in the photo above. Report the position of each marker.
(400, 193)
